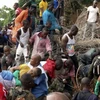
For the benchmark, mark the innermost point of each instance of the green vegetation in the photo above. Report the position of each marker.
(6, 15)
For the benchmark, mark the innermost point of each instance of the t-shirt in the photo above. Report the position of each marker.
(9, 31)
(49, 16)
(18, 11)
(55, 3)
(23, 69)
(41, 45)
(43, 5)
(92, 17)
(97, 88)
(41, 86)
(49, 67)
(41, 83)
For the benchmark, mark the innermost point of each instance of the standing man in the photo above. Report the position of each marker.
(92, 19)
(18, 23)
(49, 16)
(23, 35)
(17, 9)
(43, 6)
(68, 43)
(58, 8)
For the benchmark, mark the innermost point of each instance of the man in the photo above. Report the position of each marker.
(19, 23)
(49, 16)
(17, 9)
(32, 14)
(41, 84)
(41, 43)
(92, 19)
(64, 78)
(58, 8)
(43, 6)
(56, 96)
(85, 94)
(23, 35)
(68, 43)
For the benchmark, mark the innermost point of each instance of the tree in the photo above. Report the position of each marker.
(67, 12)
(70, 8)
(6, 15)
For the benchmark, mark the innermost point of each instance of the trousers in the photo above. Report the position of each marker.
(22, 50)
(89, 28)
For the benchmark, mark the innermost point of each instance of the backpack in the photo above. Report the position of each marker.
(17, 93)
(82, 95)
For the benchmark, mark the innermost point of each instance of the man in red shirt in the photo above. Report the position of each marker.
(17, 9)
(51, 66)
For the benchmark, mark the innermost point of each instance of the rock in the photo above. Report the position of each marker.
(83, 46)
(81, 22)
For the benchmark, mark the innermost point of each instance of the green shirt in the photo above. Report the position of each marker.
(97, 86)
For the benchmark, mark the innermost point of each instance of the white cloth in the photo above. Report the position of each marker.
(70, 45)
(9, 31)
(92, 17)
(24, 37)
(22, 50)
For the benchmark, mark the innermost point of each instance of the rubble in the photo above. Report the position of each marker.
(81, 22)
(83, 45)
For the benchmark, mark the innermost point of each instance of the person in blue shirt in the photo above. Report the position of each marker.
(41, 86)
(55, 3)
(57, 8)
(49, 16)
(40, 91)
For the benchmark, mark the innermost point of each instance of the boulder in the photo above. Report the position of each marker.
(81, 22)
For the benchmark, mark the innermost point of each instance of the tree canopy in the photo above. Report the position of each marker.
(6, 15)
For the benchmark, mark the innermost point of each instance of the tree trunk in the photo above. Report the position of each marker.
(67, 12)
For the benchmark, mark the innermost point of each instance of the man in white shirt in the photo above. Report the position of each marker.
(92, 19)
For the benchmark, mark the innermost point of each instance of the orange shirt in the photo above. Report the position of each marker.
(19, 23)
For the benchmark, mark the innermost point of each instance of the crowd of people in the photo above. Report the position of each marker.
(31, 66)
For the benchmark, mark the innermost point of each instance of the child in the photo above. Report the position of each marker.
(7, 52)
